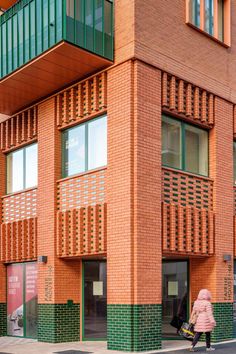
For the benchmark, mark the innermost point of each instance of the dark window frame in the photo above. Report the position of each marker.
(183, 147)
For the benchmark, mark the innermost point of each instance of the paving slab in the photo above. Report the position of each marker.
(11, 345)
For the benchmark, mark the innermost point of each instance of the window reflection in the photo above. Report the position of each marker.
(184, 146)
(22, 169)
(97, 143)
(84, 147)
(31, 166)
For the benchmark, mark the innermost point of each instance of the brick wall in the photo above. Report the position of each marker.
(180, 49)
(59, 281)
(134, 221)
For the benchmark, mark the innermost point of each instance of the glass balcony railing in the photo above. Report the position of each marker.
(31, 27)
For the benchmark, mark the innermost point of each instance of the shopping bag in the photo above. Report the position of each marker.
(176, 322)
(187, 331)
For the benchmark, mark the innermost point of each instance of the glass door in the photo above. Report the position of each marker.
(94, 300)
(22, 300)
(174, 295)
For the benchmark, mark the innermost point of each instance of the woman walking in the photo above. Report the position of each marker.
(203, 319)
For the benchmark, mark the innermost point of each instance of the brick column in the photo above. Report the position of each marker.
(3, 300)
(134, 207)
(59, 280)
(214, 273)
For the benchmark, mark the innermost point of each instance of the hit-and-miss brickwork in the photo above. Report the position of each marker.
(133, 212)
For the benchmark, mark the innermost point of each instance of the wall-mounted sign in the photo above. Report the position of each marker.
(98, 288)
(173, 288)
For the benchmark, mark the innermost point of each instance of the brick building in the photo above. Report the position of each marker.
(117, 167)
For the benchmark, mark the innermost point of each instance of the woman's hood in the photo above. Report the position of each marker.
(204, 294)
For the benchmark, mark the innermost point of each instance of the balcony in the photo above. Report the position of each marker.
(48, 44)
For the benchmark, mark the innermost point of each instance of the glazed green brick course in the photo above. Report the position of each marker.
(3, 319)
(58, 323)
(134, 327)
(223, 313)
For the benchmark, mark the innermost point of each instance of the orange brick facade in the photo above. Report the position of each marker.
(134, 213)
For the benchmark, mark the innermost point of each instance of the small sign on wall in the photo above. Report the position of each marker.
(172, 288)
(97, 288)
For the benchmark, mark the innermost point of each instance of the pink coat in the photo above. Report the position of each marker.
(203, 308)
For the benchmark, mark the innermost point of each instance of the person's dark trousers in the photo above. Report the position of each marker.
(197, 337)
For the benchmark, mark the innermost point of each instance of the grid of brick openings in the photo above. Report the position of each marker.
(82, 100)
(185, 189)
(82, 190)
(19, 129)
(187, 100)
(19, 206)
(82, 231)
(18, 240)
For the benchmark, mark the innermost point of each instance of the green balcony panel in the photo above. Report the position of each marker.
(31, 27)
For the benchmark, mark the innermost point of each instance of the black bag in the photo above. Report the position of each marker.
(176, 322)
(187, 331)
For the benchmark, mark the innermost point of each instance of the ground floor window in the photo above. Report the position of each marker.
(22, 300)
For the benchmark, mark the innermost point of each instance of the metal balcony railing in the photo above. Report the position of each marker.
(32, 27)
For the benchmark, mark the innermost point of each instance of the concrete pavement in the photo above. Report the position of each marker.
(10, 345)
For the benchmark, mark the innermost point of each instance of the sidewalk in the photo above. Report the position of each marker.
(10, 345)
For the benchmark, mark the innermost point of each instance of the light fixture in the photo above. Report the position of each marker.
(227, 257)
(42, 259)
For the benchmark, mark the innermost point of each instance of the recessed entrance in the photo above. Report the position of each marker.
(94, 300)
(174, 295)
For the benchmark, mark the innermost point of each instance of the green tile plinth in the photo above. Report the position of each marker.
(58, 323)
(223, 313)
(3, 319)
(134, 327)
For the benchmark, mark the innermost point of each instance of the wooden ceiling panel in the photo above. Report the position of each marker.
(43, 76)
(5, 4)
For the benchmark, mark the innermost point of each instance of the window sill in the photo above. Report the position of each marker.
(223, 44)
(82, 174)
(19, 192)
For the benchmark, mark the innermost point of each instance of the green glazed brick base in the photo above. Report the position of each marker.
(134, 327)
(3, 319)
(58, 323)
(223, 313)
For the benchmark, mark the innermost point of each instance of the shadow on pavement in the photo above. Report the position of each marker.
(228, 348)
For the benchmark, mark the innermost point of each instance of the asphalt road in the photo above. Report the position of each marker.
(229, 348)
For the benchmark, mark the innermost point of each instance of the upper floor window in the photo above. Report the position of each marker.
(184, 146)
(22, 169)
(211, 16)
(84, 147)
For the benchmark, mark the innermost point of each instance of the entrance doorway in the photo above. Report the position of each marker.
(94, 300)
(174, 295)
(22, 300)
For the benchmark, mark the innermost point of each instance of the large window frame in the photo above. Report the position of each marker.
(9, 181)
(183, 125)
(86, 124)
(211, 17)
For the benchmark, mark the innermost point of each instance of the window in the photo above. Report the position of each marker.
(210, 16)
(84, 147)
(22, 169)
(184, 146)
